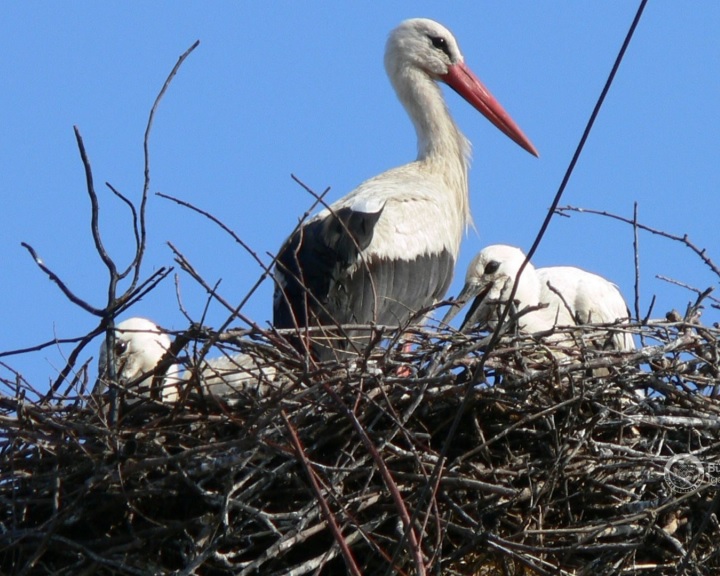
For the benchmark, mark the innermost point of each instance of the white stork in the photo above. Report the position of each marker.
(568, 295)
(388, 249)
(226, 376)
(139, 346)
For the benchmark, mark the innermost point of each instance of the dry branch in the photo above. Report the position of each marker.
(553, 470)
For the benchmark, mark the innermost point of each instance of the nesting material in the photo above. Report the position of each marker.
(550, 469)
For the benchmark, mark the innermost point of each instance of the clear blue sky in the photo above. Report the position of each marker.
(300, 88)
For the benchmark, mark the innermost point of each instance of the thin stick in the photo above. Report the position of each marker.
(327, 513)
(95, 207)
(60, 284)
(636, 252)
(701, 252)
(146, 145)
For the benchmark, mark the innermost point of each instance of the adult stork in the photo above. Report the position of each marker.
(388, 249)
(139, 346)
(551, 296)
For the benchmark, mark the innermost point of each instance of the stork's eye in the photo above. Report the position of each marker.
(491, 267)
(120, 347)
(440, 43)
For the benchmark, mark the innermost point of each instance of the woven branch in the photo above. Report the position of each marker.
(559, 466)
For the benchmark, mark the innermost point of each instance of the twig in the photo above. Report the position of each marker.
(687, 286)
(636, 253)
(95, 207)
(60, 284)
(135, 228)
(327, 513)
(267, 270)
(409, 531)
(146, 149)
(684, 239)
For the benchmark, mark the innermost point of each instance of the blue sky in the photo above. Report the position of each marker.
(299, 88)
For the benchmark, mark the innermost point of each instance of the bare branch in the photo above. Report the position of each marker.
(636, 252)
(60, 284)
(136, 233)
(684, 239)
(95, 206)
(146, 150)
(327, 512)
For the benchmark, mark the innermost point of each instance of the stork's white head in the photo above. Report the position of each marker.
(490, 278)
(139, 346)
(420, 46)
(423, 44)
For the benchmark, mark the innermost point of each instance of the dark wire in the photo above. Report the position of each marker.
(585, 135)
(551, 211)
(561, 190)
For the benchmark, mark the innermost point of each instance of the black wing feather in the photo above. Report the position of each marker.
(341, 287)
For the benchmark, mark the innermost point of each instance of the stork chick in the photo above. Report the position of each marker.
(139, 346)
(552, 296)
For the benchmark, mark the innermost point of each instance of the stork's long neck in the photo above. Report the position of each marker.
(442, 148)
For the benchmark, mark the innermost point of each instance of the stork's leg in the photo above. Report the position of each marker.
(404, 371)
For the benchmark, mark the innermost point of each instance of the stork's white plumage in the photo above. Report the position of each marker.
(388, 249)
(226, 376)
(569, 295)
(139, 346)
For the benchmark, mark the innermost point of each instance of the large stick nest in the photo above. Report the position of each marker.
(558, 465)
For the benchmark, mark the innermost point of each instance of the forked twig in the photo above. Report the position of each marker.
(115, 303)
(684, 239)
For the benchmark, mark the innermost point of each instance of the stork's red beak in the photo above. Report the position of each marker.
(461, 79)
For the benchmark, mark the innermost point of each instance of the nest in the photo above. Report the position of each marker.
(446, 460)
